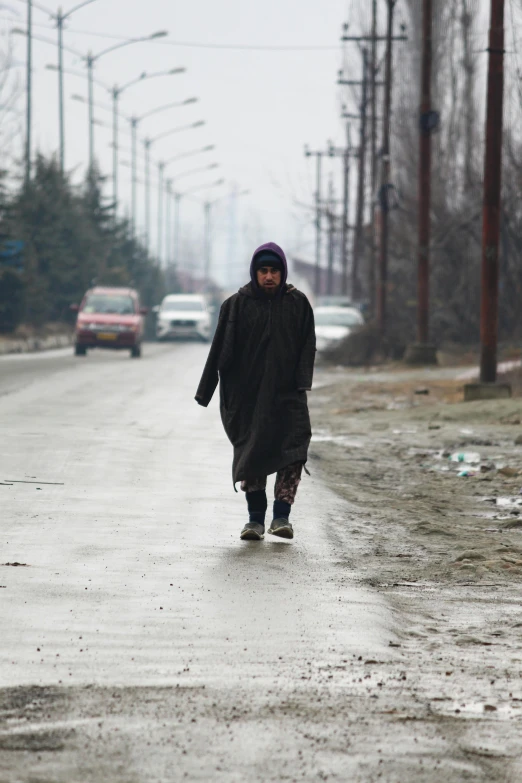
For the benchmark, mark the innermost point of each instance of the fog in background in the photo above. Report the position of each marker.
(260, 106)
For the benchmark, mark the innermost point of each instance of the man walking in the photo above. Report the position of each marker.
(263, 355)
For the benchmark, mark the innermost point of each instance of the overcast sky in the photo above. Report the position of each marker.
(260, 105)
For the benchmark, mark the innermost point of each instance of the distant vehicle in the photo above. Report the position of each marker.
(109, 318)
(333, 324)
(184, 315)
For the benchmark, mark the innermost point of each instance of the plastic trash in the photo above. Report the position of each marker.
(468, 457)
(467, 473)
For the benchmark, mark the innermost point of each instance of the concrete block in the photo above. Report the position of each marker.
(486, 391)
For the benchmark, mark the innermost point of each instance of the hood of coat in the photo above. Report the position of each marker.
(273, 248)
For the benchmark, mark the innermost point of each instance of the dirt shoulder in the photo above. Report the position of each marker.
(444, 549)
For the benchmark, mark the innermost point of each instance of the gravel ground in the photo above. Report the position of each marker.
(444, 549)
(383, 644)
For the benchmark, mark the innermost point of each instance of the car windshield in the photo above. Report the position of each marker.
(336, 318)
(117, 304)
(170, 307)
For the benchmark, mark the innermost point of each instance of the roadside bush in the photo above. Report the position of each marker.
(11, 300)
(365, 346)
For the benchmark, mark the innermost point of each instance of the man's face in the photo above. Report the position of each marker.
(269, 279)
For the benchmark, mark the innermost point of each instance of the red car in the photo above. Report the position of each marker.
(109, 318)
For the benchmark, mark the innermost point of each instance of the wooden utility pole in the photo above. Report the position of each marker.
(385, 178)
(492, 196)
(318, 228)
(345, 153)
(422, 352)
(331, 237)
(424, 179)
(346, 211)
(378, 297)
(373, 148)
(358, 242)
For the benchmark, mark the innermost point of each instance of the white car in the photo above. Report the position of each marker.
(184, 315)
(333, 324)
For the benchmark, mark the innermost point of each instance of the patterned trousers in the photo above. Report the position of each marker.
(286, 483)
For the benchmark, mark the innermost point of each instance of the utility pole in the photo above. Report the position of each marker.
(358, 243)
(29, 96)
(491, 213)
(90, 82)
(318, 228)
(422, 352)
(208, 227)
(346, 211)
(345, 153)
(385, 185)
(161, 169)
(177, 204)
(330, 215)
(147, 144)
(115, 99)
(134, 131)
(59, 24)
(168, 194)
(373, 147)
(385, 177)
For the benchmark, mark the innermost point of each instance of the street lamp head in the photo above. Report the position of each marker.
(159, 34)
(51, 67)
(190, 100)
(209, 147)
(198, 124)
(18, 31)
(307, 151)
(78, 98)
(177, 70)
(213, 166)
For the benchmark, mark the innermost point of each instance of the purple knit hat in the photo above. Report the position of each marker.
(269, 247)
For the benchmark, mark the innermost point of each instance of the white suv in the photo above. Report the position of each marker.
(184, 315)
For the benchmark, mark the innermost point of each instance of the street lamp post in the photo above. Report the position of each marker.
(177, 204)
(135, 121)
(190, 153)
(60, 18)
(134, 156)
(207, 229)
(168, 196)
(187, 174)
(147, 144)
(161, 170)
(116, 92)
(29, 92)
(147, 191)
(30, 38)
(90, 60)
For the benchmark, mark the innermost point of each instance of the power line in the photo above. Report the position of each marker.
(199, 44)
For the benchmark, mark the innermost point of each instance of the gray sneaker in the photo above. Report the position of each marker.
(282, 528)
(253, 531)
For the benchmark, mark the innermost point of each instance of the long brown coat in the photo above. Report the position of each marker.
(263, 354)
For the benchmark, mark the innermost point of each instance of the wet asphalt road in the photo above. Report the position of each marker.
(122, 512)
